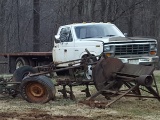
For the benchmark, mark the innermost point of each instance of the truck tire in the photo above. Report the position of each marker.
(21, 61)
(21, 72)
(88, 72)
(32, 63)
(37, 89)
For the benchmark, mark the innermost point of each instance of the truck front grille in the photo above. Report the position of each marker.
(132, 49)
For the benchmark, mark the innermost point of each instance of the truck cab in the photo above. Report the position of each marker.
(72, 40)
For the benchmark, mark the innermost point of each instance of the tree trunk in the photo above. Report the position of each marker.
(18, 26)
(36, 25)
(131, 18)
(80, 10)
(103, 9)
(109, 11)
(2, 26)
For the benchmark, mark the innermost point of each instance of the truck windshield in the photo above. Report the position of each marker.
(97, 31)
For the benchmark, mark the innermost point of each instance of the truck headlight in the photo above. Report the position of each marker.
(153, 47)
(107, 48)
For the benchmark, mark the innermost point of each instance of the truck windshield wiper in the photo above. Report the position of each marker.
(92, 37)
(109, 35)
(86, 37)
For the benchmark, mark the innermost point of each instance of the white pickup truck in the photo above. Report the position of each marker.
(72, 40)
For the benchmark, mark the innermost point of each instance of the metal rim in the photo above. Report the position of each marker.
(103, 73)
(36, 92)
(89, 73)
(19, 64)
(21, 61)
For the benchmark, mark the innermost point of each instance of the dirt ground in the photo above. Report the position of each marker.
(37, 116)
(66, 109)
(18, 109)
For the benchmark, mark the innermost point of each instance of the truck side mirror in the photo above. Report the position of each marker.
(57, 38)
(125, 34)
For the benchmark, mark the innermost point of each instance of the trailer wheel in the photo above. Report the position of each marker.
(103, 73)
(20, 62)
(38, 89)
(21, 72)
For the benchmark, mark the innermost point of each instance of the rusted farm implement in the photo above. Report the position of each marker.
(110, 76)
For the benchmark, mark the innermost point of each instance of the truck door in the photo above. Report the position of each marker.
(64, 51)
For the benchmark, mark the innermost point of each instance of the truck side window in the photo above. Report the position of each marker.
(65, 35)
(70, 39)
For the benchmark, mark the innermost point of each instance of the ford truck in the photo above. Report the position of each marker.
(72, 40)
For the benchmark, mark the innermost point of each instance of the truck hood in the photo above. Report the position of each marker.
(120, 39)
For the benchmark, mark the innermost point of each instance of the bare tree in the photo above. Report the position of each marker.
(18, 26)
(31, 25)
(36, 25)
(2, 23)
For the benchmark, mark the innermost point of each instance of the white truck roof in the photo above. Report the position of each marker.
(85, 24)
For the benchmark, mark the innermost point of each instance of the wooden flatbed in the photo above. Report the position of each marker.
(27, 54)
(16, 60)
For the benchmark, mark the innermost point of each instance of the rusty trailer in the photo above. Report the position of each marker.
(114, 78)
(111, 77)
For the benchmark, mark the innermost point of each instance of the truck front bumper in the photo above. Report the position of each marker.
(141, 60)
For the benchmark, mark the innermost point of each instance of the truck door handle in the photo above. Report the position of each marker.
(65, 50)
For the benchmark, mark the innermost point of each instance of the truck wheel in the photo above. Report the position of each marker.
(88, 72)
(38, 89)
(20, 62)
(32, 63)
(21, 72)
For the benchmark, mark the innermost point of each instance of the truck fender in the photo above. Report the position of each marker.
(85, 53)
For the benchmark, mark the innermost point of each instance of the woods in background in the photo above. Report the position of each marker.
(30, 25)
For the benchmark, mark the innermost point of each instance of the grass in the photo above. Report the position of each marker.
(140, 109)
(126, 108)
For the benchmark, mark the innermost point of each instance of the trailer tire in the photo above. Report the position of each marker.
(103, 74)
(37, 89)
(21, 61)
(21, 72)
